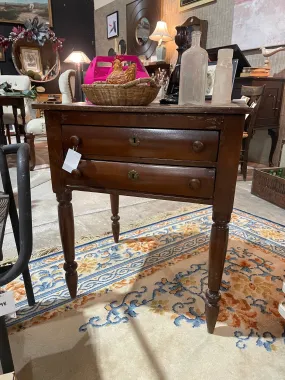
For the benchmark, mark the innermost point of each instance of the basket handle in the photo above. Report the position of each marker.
(141, 80)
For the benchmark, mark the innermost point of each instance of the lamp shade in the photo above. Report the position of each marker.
(77, 57)
(161, 33)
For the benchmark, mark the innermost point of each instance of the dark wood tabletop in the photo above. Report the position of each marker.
(153, 108)
(188, 154)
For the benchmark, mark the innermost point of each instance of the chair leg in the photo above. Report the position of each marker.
(245, 158)
(30, 138)
(29, 287)
(5, 349)
(8, 133)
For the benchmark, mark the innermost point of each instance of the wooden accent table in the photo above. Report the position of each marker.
(188, 154)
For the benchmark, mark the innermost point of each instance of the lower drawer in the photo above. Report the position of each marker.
(153, 179)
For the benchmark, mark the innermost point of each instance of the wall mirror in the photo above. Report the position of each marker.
(142, 17)
(143, 31)
(40, 63)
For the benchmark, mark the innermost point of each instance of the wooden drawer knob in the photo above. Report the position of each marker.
(134, 141)
(195, 184)
(75, 141)
(133, 175)
(76, 173)
(198, 146)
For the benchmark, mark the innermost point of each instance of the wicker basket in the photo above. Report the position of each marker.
(139, 92)
(269, 187)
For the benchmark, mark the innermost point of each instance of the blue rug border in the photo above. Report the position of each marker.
(67, 301)
(121, 234)
(151, 224)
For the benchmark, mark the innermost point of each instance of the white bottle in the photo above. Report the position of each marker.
(223, 86)
(193, 74)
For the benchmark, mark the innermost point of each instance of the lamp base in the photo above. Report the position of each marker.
(161, 53)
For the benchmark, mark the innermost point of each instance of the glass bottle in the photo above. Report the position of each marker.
(223, 85)
(193, 76)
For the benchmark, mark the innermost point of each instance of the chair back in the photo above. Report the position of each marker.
(256, 96)
(22, 224)
(67, 86)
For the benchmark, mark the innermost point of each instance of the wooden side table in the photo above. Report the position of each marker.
(188, 154)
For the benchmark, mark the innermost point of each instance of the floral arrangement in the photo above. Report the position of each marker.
(33, 31)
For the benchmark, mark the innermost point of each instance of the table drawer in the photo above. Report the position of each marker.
(153, 179)
(93, 142)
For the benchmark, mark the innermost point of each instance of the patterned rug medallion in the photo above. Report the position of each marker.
(140, 308)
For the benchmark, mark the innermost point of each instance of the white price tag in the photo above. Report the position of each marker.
(72, 160)
(7, 303)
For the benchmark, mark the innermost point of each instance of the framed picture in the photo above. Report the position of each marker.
(185, 5)
(17, 12)
(31, 59)
(113, 25)
(212, 66)
(2, 54)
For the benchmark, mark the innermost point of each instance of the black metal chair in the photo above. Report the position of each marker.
(22, 229)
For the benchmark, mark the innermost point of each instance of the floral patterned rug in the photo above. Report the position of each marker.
(140, 306)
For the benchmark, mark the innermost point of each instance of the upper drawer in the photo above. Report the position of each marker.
(193, 145)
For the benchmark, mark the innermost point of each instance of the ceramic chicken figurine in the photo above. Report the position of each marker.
(119, 76)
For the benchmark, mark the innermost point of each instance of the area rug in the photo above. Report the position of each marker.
(140, 308)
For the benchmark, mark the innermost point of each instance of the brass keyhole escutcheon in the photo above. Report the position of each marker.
(134, 141)
(133, 175)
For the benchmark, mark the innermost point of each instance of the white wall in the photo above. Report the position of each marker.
(100, 3)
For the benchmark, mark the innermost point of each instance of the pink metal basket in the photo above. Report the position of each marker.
(101, 67)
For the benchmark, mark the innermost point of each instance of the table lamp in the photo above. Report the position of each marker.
(161, 35)
(79, 58)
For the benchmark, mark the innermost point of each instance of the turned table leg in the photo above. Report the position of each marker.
(218, 249)
(115, 218)
(66, 226)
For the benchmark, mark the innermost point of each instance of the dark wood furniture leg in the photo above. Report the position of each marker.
(8, 134)
(6, 359)
(115, 218)
(30, 139)
(218, 249)
(226, 176)
(2, 128)
(274, 134)
(246, 144)
(23, 116)
(17, 128)
(66, 226)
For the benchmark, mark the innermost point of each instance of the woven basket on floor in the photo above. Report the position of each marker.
(139, 92)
